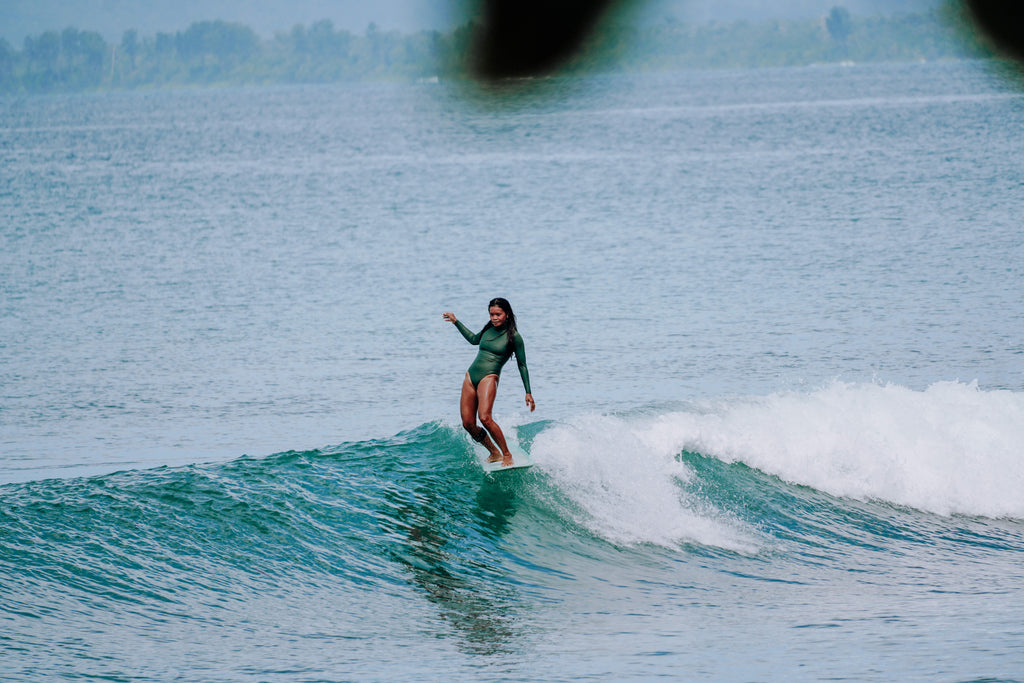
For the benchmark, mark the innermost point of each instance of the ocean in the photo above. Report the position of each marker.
(773, 321)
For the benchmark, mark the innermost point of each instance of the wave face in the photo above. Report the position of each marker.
(361, 549)
(951, 449)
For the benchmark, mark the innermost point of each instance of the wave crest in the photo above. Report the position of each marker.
(950, 449)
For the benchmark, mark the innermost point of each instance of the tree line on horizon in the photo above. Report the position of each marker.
(225, 53)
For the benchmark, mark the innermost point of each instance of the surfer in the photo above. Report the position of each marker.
(498, 340)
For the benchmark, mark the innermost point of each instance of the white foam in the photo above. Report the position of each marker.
(625, 487)
(951, 449)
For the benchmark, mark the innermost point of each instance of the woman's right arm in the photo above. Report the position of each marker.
(472, 338)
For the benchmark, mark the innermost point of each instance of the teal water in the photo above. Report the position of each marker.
(399, 558)
(774, 330)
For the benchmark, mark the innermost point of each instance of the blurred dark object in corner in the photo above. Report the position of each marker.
(513, 39)
(1003, 22)
(523, 38)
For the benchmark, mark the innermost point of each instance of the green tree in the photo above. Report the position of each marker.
(298, 40)
(217, 39)
(130, 46)
(966, 35)
(839, 24)
(327, 43)
(164, 45)
(8, 59)
(43, 52)
(84, 59)
(41, 55)
(212, 49)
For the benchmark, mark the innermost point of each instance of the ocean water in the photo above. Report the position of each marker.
(774, 326)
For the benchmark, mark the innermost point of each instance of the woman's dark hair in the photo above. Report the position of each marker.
(510, 319)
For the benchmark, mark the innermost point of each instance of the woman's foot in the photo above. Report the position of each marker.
(495, 456)
(506, 460)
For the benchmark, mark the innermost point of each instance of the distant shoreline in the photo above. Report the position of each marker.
(219, 53)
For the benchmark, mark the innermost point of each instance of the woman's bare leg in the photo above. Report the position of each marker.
(467, 407)
(486, 392)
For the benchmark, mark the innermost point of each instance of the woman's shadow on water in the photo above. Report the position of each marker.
(452, 554)
(495, 506)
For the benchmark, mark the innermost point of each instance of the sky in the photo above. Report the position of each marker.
(21, 18)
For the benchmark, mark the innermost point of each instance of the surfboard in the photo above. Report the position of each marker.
(520, 460)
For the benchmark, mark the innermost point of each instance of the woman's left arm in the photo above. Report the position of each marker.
(524, 372)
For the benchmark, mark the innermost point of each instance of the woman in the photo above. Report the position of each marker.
(498, 340)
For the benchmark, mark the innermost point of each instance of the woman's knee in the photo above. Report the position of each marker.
(475, 430)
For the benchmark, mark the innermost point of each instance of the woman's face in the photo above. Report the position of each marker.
(498, 316)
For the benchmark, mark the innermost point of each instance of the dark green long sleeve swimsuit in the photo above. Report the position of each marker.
(494, 353)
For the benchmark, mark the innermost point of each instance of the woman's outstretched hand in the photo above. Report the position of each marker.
(530, 402)
(450, 317)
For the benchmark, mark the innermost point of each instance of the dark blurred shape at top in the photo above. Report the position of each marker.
(1003, 22)
(523, 38)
